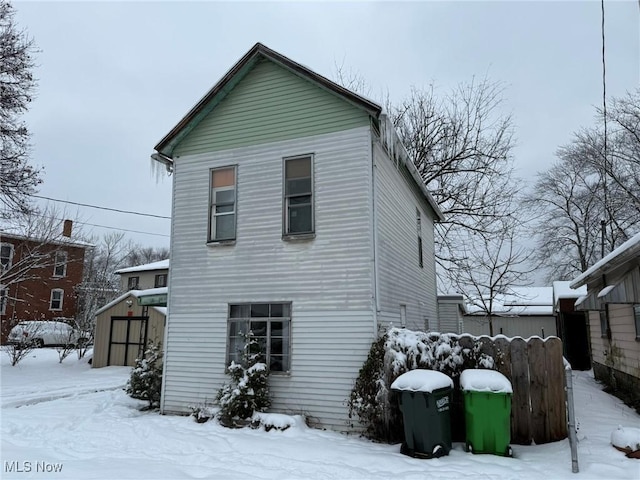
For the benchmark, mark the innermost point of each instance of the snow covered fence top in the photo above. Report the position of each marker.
(422, 381)
(485, 381)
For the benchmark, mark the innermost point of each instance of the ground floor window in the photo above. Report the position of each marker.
(270, 324)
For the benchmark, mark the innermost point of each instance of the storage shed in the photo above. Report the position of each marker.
(125, 326)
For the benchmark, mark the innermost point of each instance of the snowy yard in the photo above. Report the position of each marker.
(78, 421)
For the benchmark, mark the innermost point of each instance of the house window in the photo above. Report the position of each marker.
(6, 256)
(133, 283)
(419, 226)
(57, 295)
(4, 295)
(298, 195)
(270, 324)
(60, 264)
(222, 205)
(636, 317)
(605, 331)
(161, 280)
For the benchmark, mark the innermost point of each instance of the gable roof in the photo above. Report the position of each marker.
(239, 71)
(220, 90)
(625, 252)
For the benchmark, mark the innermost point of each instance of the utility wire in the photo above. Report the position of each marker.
(102, 208)
(123, 229)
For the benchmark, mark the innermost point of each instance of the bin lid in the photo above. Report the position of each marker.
(484, 381)
(422, 381)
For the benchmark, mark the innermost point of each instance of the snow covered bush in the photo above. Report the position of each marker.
(145, 382)
(248, 390)
(398, 351)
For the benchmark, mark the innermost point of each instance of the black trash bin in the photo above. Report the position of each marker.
(425, 399)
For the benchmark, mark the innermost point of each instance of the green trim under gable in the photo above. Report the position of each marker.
(270, 104)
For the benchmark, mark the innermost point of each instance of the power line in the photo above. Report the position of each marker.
(102, 208)
(123, 229)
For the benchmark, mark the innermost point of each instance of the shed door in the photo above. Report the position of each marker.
(127, 340)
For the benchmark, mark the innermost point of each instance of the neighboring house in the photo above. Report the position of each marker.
(142, 277)
(126, 325)
(38, 277)
(613, 306)
(451, 311)
(525, 312)
(572, 325)
(296, 214)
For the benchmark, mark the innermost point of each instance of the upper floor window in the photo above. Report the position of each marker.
(636, 318)
(6, 256)
(605, 329)
(298, 195)
(222, 204)
(60, 264)
(133, 283)
(4, 295)
(57, 296)
(161, 280)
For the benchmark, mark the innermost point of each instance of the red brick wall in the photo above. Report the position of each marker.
(30, 299)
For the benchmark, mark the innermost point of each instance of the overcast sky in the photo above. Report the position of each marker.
(115, 77)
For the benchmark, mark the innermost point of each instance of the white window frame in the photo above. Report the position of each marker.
(636, 318)
(286, 229)
(212, 236)
(6, 266)
(247, 320)
(420, 247)
(61, 259)
(61, 299)
(4, 298)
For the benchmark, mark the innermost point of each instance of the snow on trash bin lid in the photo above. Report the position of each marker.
(422, 381)
(484, 381)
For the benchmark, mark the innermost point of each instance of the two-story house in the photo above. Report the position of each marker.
(142, 277)
(297, 214)
(39, 277)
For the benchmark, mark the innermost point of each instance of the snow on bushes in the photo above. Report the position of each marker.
(145, 382)
(248, 391)
(398, 351)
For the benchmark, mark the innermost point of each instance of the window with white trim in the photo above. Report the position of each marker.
(57, 296)
(636, 318)
(222, 204)
(298, 196)
(60, 264)
(6, 256)
(4, 297)
(160, 280)
(270, 324)
(419, 227)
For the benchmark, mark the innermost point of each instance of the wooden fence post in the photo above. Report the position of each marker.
(556, 407)
(538, 392)
(520, 410)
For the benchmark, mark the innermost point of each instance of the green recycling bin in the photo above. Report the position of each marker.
(425, 399)
(487, 411)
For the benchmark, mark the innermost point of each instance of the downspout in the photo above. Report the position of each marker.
(169, 165)
(374, 236)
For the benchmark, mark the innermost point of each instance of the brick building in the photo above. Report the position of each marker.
(38, 278)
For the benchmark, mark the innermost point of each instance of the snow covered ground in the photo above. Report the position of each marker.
(68, 421)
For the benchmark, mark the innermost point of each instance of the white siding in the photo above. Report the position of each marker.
(400, 278)
(327, 279)
(146, 279)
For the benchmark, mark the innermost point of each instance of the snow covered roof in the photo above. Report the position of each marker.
(628, 249)
(561, 289)
(520, 301)
(59, 240)
(136, 294)
(160, 265)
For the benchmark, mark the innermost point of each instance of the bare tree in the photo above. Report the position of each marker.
(490, 268)
(589, 185)
(139, 255)
(461, 145)
(18, 179)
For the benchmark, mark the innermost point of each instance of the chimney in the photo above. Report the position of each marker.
(66, 229)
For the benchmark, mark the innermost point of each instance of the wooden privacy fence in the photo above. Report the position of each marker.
(536, 370)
